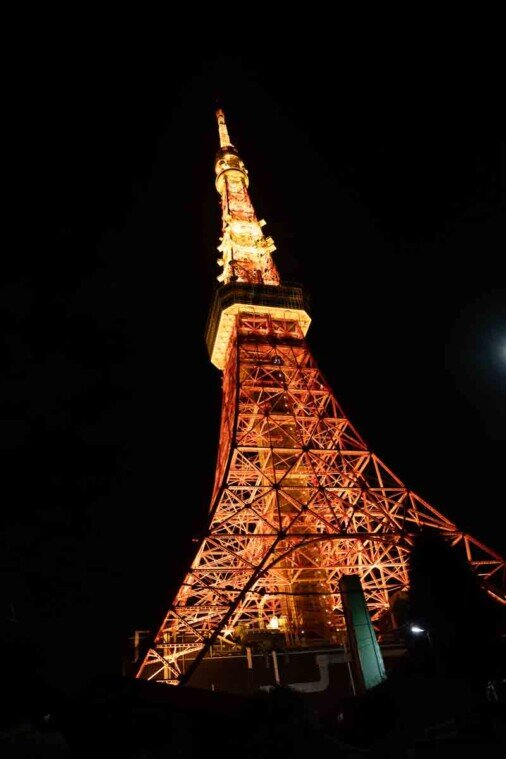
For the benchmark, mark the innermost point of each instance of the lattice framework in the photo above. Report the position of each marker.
(298, 500)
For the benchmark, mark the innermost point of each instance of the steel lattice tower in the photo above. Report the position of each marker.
(298, 498)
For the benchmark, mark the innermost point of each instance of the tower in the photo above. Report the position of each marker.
(299, 500)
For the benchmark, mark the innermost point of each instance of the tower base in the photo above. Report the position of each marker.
(322, 671)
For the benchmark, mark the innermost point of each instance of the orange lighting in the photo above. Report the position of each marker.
(299, 499)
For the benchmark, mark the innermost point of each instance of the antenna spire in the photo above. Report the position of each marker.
(246, 252)
(222, 129)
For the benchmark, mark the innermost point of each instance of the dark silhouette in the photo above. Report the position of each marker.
(461, 623)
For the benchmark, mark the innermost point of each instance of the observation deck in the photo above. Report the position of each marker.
(280, 301)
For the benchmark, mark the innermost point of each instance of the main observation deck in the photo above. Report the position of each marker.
(282, 302)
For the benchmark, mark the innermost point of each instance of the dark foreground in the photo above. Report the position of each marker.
(414, 717)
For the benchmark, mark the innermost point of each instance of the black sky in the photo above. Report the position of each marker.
(385, 199)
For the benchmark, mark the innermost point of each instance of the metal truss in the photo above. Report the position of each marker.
(298, 501)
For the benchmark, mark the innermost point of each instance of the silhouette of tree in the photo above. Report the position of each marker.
(459, 619)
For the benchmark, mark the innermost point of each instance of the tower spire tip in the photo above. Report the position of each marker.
(222, 128)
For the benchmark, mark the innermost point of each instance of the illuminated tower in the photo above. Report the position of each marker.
(299, 499)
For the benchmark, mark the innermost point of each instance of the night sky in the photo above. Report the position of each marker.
(385, 201)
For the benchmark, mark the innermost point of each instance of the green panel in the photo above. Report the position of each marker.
(365, 651)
